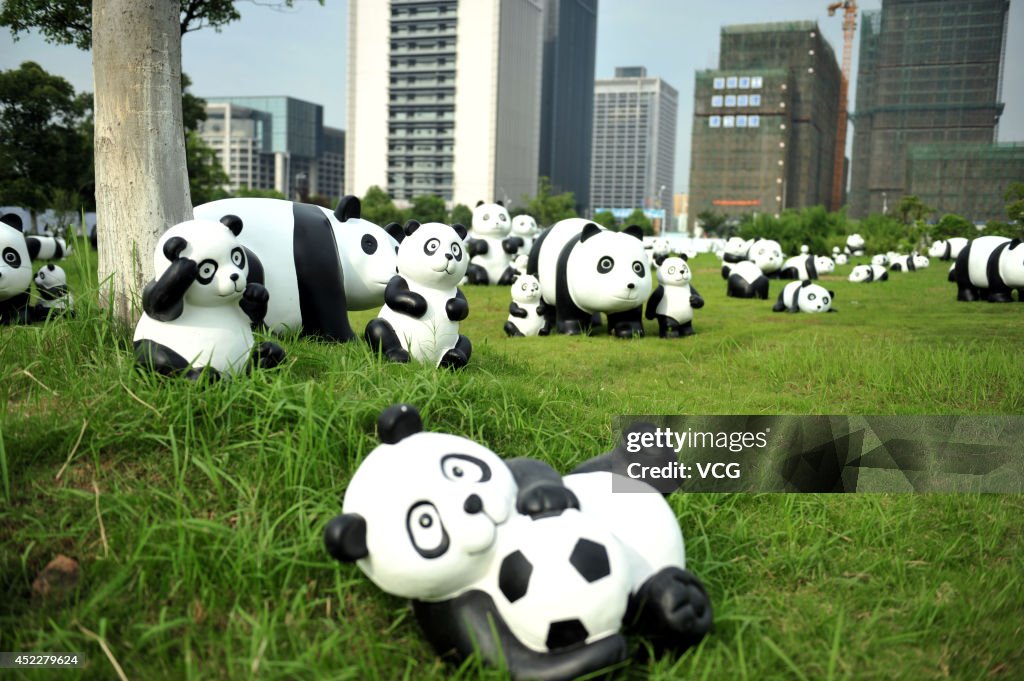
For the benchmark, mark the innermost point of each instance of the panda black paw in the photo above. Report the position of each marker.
(686, 329)
(628, 330)
(512, 330)
(202, 374)
(546, 499)
(673, 605)
(454, 359)
(1000, 297)
(570, 327)
(268, 355)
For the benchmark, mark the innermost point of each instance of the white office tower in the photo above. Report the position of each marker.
(444, 98)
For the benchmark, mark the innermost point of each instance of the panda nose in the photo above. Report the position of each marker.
(631, 285)
(473, 504)
(234, 277)
(449, 256)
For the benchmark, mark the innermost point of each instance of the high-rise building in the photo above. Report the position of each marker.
(567, 96)
(275, 143)
(634, 143)
(764, 123)
(928, 82)
(444, 98)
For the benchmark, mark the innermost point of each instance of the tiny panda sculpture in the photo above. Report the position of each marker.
(15, 272)
(524, 231)
(422, 303)
(535, 571)
(908, 263)
(988, 268)
(868, 273)
(839, 257)
(490, 246)
(52, 285)
(767, 255)
(46, 247)
(319, 263)
(674, 300)
(526, 311)
(804, 296)
(198, 313)
(745, 280)
(806, 267)
(855, 245)
(660, 249)
(585, 270)
(947, 249)
(880, 260)
(736, 249)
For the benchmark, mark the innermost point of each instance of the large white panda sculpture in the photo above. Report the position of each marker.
(804, 296)
(526, 311)
(672, 303)
(422, 303)
(198, 312)
(736, 249)
(989, 268)
(585, 270)
(862, 274)
(947, 249)
(15, 272)
(490, 246)
(319, 263)
(745, 280)
(767, 255)
(535, 571)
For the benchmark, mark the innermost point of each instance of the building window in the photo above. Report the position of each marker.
(741, 121)
(756, 82)
(755, 100)
(715, 121)
(744, 82)
(716, 100)
(730, 100)
(718, 83)
(753, 121)
(741, 100)
(728, 121)
(730, 82)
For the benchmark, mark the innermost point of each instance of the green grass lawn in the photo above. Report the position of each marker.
(196, 514)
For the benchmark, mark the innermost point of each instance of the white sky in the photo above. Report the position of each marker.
(301, 52)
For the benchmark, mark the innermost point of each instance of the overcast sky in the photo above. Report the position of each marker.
(301, 52)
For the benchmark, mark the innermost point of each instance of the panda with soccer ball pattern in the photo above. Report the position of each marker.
(534, 571)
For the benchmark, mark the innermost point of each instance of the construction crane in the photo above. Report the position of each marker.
(849, 27)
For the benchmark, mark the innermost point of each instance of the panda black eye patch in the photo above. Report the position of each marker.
(430, 248)
(238, 258)
(605, 265)
(369, 244)
(465, 468)
(426, 531)
(11, 257)
(457, 252)
(207, 269)
(638, 268)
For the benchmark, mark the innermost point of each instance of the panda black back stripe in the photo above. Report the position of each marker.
(995, 282)
(255, 267)
(532, 264)
(812, 271)
(566, 309)
(321, 282)
(871, 274)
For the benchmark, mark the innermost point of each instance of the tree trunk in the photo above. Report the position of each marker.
(141, 177)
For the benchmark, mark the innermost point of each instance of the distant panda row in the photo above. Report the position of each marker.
(17, 252)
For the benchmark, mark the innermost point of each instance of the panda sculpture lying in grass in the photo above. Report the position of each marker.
(198, 313)
(535, 571)
(745, 280)
(868, 273)
(804, 296)
(15, 272)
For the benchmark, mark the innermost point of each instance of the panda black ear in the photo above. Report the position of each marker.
(1014, 243)
(345, 537)
(589, 230)
(398, 422)
(232, 222)
(478, 204)
(50, 267)
(349, 208)
(684, 257)
(13, 220)
(806, 283)
(395, 230)
(833, 294)
(500, 203)
(461, 231)
(410, 227)
(173, 247)
(634, 231)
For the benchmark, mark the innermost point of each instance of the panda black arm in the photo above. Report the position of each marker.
(512, 244)
(477, 247)
(400, 299)
(33, 244)
(254, 302)
(652, 302)
(541, 490)
(696, 301)
(163, 299)
(457, 308)
(516, 311)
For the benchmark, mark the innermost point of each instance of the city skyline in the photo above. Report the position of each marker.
(671, 40)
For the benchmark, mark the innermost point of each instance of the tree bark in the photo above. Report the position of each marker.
(141, 177)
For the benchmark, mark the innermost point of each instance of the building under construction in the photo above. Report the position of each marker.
(928, 91)
(764, 125)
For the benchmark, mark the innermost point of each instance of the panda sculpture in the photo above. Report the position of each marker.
(672, 303)
(52, 286)
(585, 270)
(868, 273)
(767, 255)
(660, 249)
(854, 245)
(524, 231)
(47, 247)
(947, 249)
(839, 257)
(198, 312)
(736, 249)
(319, 263)
(880, 260)
(745, 280)
(806, 267)
(490, 246)
(422, 303)
(526, 311)
(15, 272)
(804, 296)
(989, 268)
(534, 571)
(908, 263)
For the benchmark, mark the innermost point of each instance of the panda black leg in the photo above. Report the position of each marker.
(1020, 295)
(686, 329)
(627, 324)
(512, 330)
(672, 608)
(570, 327)
(476, 275)
(159, 358)
(268, 355)
(967, 294)
(208, 374)
(457, 357)
(383, 339)
(1000, 296)
(508, 276)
